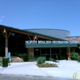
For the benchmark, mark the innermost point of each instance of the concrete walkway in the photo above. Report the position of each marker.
(66, 69)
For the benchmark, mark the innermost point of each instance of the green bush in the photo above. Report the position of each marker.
(24, 56)
(78, 58)
(74, 55)
(41, 60)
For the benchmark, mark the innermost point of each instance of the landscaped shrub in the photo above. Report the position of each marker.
(36, 57)
(19, 57)
(24, 56)
(47, 65)
(74, 55)
(16, 59)
(78, 58)
(41, 60)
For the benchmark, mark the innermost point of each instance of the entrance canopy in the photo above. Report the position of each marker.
(47, 44)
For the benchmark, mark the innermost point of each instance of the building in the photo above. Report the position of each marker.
(36, 42)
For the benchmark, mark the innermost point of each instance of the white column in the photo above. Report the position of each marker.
(6, 47)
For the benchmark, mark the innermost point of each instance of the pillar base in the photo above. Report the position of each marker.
(30, 54)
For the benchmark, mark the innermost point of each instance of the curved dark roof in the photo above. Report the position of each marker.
(47, 29)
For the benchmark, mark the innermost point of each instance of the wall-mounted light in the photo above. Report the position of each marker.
(35, 37)
(37, 49)
(4, 31)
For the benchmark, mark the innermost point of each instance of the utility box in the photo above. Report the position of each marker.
(5, 62)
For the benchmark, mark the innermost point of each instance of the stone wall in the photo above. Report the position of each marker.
(31, 53)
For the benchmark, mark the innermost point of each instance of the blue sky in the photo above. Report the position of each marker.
(53, 14)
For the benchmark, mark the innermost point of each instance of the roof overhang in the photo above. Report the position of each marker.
(29, 33)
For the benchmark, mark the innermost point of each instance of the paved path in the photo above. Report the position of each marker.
(14, 77)
(27, 68)
(66, 70)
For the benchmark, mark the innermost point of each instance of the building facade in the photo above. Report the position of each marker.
(36, 42)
